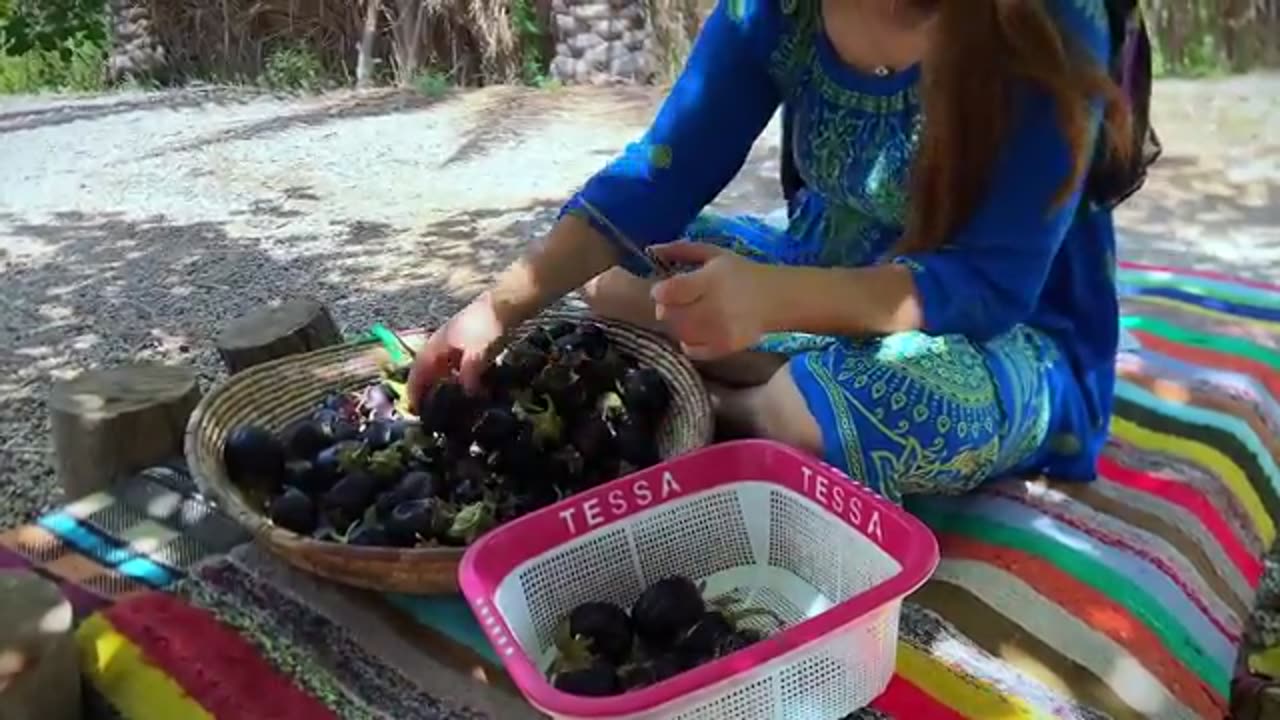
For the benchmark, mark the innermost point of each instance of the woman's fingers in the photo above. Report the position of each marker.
(686, 252)
(682, 289)
(471, 371)
(701, 353)
(432, 363)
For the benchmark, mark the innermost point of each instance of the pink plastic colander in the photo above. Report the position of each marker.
(758, 522)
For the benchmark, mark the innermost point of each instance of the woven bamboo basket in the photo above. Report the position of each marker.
(276, 393)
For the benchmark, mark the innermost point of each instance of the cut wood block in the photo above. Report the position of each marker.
(108, 424)
(39, 660)
(296, 326)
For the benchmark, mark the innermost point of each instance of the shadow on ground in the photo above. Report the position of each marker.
(107, 289)
(61, 111)
(1205, 216)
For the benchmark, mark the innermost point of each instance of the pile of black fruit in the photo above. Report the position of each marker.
(604, 650)
(562, 412)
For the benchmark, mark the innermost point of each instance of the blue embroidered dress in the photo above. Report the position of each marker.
(1013, 371)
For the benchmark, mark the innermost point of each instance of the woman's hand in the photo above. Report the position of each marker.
(465, 343)
(718, 309)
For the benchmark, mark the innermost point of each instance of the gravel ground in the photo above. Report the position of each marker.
(133, 225)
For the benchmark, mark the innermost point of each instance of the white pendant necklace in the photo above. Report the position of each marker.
(882, 71)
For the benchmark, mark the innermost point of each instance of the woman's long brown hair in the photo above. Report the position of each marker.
(982, 52)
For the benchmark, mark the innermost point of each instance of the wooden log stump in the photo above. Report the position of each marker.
(296, 326)
(39, 659)
(108, 424)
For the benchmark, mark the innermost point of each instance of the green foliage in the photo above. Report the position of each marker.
(75, 66)
(294, 67)
(52, 45)
(432, 83)
(524, 21)
(49, 24)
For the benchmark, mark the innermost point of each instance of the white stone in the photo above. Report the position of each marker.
(562, 68)
(634, 39)
(592, 11)
(565, 24)
(582, 42)
(623, 66)
(597, 58)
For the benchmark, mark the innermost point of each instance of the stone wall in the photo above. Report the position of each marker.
(602, 41)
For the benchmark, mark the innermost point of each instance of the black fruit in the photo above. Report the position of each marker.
(593, 437)
(304, 439)
(520, 455)
(254, 458)
(521, 363)
(606, 629)
(706, 635)
(513, 506)
(304, 476)
(645, 393)
(588, 339)
(666, 610)
(597, 680)
(338, 459)
(566, 391)
(565, 468)
(412, 486)
(495, 427)
(369, 535)
(736, 641)
(293, 510)
(335, 426)
(346, 501)
(379, 434)
(443, 406)
(413, 520)
(545, 423)
(649, 672)
(637, 444)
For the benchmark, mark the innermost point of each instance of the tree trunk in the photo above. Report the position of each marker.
(364, 62)
(136, 53)
(406, 35)
(110, 423)
(297, 326)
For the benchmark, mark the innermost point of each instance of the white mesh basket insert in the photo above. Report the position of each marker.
(772, 548)
(761, 525)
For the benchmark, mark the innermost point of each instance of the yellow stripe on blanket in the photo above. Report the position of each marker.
(971, 698)
(120, 673)
(1209, 458)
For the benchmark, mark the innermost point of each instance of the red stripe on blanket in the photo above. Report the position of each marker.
(905, 701)
(1207, 274)
(1193, 502)
(1099, 612)
(1116, 541)
(217, 667)
(1195, 355)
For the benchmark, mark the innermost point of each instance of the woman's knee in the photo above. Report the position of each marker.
(748, 368)
(778, 411)
(618, 295)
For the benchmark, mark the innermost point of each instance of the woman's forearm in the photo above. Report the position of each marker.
(870, 301)
(570, 255)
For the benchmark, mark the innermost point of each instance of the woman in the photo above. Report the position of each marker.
(941, 307)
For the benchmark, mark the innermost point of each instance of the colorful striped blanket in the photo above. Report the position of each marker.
(1129, 597)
